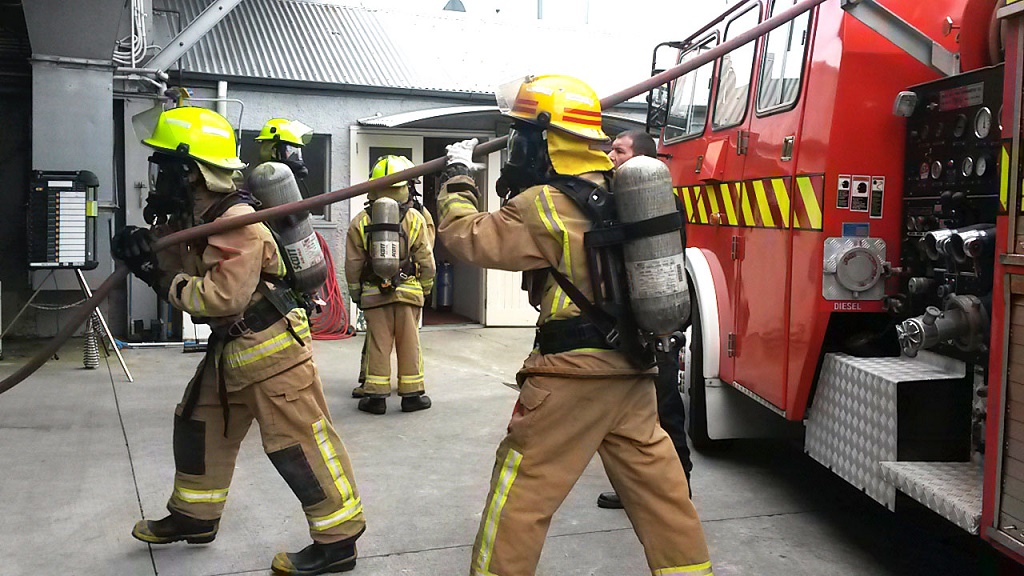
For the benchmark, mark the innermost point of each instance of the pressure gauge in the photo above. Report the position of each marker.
(936, 170)
(980, 166)
(924, 171)
(983, 123)
(967, 167)
(960, 127)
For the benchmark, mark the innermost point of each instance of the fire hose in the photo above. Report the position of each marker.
(83, 312)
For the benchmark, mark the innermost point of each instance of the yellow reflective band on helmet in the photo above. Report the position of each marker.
(502, 487)
(199, 133)
(267, 347)
(702, 569)
(200, 496)
(572, 105)
(284, 130)
(388, 165)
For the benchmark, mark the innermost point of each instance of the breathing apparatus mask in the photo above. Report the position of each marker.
(528, 163)
(170, 196)
(288, 154)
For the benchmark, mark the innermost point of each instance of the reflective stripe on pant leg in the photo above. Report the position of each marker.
(489, 530)
(200, 496)
(350, 504)
(702, 569)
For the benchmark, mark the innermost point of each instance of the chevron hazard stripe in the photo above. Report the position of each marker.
(794, 203)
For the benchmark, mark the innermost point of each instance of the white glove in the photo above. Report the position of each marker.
(462, 153)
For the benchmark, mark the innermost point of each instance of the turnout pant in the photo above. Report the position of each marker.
(393, 326)
(672, 411)
(557, 426)
(298, 437)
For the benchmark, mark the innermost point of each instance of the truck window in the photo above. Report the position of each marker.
(690, 96)
(734, 75)
(782, 65)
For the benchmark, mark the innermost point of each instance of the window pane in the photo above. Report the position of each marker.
(688, 110)
(315, 155)
(782, 69)
(735, 73)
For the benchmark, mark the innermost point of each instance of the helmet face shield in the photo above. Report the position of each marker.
(290, 153)
(506, 93)
(528, 163)
(170, 199)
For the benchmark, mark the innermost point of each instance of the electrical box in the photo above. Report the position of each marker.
(62, 210)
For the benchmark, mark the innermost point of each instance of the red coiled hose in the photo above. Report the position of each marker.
(332, 321)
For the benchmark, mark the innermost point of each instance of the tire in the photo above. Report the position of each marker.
(693, 378)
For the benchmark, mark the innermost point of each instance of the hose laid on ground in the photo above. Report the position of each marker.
(79, 315)
(332, 321)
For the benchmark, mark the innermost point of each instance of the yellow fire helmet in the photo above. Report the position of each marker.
(199, 133)
(388, 165)
(290, 131)
(572, 105)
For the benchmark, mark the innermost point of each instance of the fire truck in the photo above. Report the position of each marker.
(855, 246)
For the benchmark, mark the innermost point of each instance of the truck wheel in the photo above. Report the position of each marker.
(693, 378)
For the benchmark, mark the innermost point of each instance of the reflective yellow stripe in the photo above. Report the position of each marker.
(700, 205)
(412, 379)
(782, 197)
(351, 505)
(685, 194)
(702, 569)
(748, 214)
(385, 380)
(1004, 177)
(195, 303)
(201, 496)
(546, 210)
(266, 348)
(502, 487)
(730, 212)
(810, 202)
(451, 201)
(709, 192)
(762, 203)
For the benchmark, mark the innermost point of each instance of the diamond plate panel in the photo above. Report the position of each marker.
(852, 426)
(834, 249)
(951, 489)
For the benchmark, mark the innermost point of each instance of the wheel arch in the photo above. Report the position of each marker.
(699, 272)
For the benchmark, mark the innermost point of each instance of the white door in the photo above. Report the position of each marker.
(506, 302)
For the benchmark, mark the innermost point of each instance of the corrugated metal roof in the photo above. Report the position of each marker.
(301, 41)
(298, 40)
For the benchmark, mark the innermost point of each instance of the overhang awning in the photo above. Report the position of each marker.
(476, 118)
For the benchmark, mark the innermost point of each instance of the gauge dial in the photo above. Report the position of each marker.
(960, 127)
(983, 123)
(967, 167)
(980, 166)
(924, 171)
(936, 170)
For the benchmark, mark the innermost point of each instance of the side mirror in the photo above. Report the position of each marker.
(657, 109)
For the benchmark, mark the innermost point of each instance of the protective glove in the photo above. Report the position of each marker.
(460, 156)
(133, 246)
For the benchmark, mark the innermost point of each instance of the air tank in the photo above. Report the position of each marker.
(655, 265)
(273, 184)
(385, 247)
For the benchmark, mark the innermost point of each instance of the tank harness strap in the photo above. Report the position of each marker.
(384, 227)
(602, 321)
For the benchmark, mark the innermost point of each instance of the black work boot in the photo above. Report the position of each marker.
(373, 405)
(358, 391)
(609, 500)
(174, 528)
(414, 403)
(316, 559)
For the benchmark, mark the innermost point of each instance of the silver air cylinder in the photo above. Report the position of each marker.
(655, 265)
(385, 254)
(273, 184)
(964, 323)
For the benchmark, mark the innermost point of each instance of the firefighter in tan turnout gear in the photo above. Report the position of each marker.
(389, 267)
(259, 361)
(577, 395)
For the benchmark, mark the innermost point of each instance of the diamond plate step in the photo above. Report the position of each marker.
(951, 489)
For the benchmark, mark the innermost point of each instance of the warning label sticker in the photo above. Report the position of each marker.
(877, 196)
(843, 195)
(304, 253)
(657, 277)
(859, 193)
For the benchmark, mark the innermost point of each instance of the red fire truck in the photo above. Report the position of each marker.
(852, 190)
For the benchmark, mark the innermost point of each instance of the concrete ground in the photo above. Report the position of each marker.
(85, 454)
